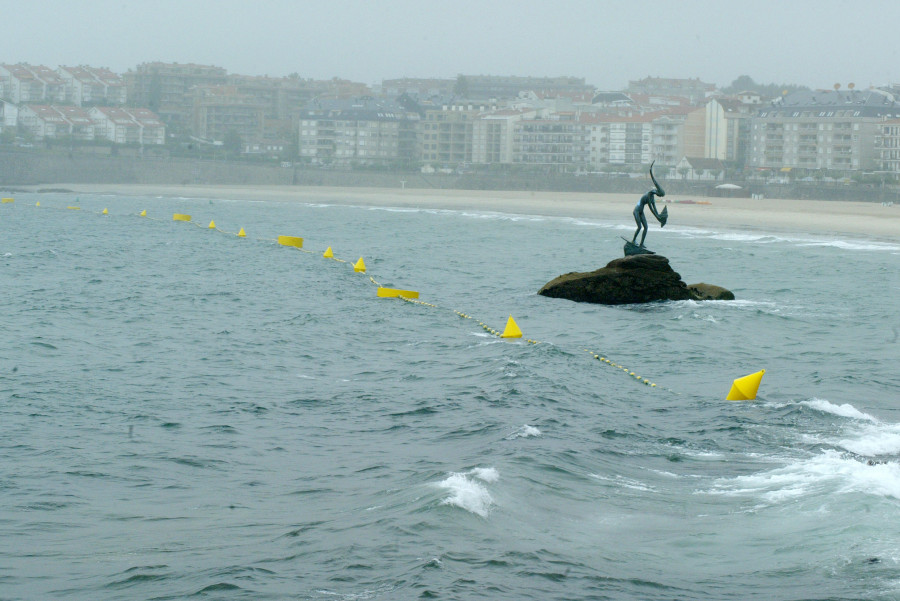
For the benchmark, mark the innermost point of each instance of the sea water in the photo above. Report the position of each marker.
(190, 413)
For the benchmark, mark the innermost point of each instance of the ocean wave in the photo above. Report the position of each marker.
(831, 472)
(494, 216)
(622, 481)
(466, 493)
(525, 431)
(763, 237)
(845, 410)
(853, 245)
(873, 441)
(865, 436)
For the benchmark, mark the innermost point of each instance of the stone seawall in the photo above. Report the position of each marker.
(32, 167)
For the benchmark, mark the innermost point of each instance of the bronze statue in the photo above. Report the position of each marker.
(648, 200)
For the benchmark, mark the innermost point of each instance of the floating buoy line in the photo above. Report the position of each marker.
(744, 388)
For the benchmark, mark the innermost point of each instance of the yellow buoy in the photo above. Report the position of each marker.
(242, 233)
(744, 389)
(512, 330)
(394, 293)
(105, 212)
(290, 241)
(212, 225)
(359, 266)
(144, 213)
(329, 254)
(37, 204)
(180, 217)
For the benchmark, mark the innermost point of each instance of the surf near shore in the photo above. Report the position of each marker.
(810, 216)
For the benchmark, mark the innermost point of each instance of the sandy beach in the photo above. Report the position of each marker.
(809, 216)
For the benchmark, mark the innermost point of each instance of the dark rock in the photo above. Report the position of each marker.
(703, 291)
(633, 279)
(640, 278)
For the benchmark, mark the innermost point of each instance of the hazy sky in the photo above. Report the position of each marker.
(810, 42)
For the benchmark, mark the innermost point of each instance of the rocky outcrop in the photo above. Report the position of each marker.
(632, 279)
(703, 291)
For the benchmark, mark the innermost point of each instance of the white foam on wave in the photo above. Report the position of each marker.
(525, 431)
(853, 245)
(494, 216)
(763, 237)
(865, 435)
(622, 481)
(828, 473)
(736, 304)
(740, 237)
(466, 493)
(845, 410)
(873, 440)
(486, 474)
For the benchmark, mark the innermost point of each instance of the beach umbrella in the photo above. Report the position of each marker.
(728, 187)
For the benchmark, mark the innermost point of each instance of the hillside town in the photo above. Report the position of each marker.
(690, 129)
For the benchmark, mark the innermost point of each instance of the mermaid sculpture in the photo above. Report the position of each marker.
(647, 200)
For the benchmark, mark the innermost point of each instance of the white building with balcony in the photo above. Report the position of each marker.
(23, 83)
(823, 129)
(128, 125)
(87, 86)
(56, 121)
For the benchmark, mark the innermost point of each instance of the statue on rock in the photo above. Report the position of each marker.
(631, 248)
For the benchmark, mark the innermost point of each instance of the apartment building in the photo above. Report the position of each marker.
(822, 129)
(56, 121)
(24, 83)
(482, 88)
(727, 129)
(620, 139)
(218, 111)
(166, 89)
(446, 133)
(667, 139)
(128, 125)
(492, 135)
(560, 143)
(9, 116)
(360, 131)
(281, 97)
(86, 86)
(418, 87)
(692, 89)
(888, 145)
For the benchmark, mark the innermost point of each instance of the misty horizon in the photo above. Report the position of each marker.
(801, 43)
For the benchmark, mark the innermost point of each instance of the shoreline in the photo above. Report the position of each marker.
(868, 219)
